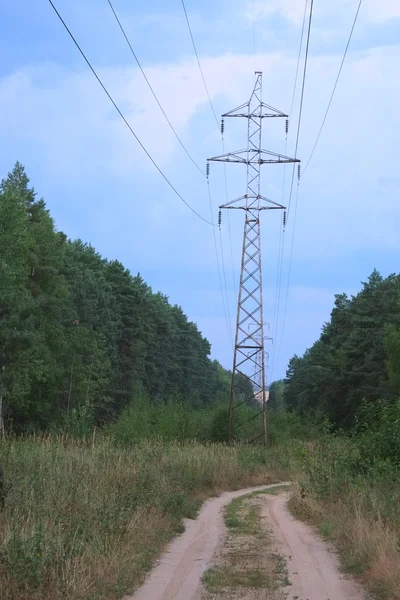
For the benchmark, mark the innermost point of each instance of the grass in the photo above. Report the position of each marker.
(225, 577)
(85, 519)
(359, 511)
(242, 518)
(274, 491)
(281, 570)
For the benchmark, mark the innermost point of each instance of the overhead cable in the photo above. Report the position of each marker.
(152, 90)
(335, 85)
(282, 232)
(224, 298)
(301, 101)
(125, 120)
(282, 330)
(223, 150)
(198, 62)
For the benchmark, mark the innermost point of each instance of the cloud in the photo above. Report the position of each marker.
(76, 135)
(100, 186)
(372, 12)
(75, 129)
(292, 10)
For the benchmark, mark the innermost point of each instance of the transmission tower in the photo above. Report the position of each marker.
(249, 357)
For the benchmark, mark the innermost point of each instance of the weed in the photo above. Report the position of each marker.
(247, 564)
(225, 576)
(242, 517)
(281, 570)
(325, 528)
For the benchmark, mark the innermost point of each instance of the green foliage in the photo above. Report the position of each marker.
(338, 467)
(355, 359)
(219, 425)
(378, 436)
(276, 400)
(285, 426)
(79, 335)
(177, 421)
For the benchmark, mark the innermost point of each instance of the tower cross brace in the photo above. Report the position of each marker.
(249, 355)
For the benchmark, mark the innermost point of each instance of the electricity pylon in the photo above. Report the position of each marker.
(249, 357)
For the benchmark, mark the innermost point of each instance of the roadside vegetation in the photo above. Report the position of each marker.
(113, 420)
(87, 515)
(349, 487)
(349, 382)
(85, 518)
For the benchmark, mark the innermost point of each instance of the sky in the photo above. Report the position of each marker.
(101, 187)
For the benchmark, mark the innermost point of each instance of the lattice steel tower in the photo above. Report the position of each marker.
(249, 357)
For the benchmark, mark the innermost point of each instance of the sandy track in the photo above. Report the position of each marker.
(313, 566)
(179, 570)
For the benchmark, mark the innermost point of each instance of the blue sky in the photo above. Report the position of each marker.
(99, 185)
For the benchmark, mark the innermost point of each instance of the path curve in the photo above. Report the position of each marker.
(313, 565)
(180, 568)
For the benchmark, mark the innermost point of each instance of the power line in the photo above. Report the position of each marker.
(229, 230)
(226, 310)
(280, 248)
(282, 233)
(277, 291)
(225, 286)
(335, 86)
(231, 251)
(291, 190)
(225, 306)
(289, 270)
(152, 90)
(298, 58)
(229, 220)
(308, 162)
(124, 119)
(198, 62)
(223, 150)
(301, 100)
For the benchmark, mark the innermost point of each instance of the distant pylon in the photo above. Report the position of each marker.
(257, 369)
(248, 356)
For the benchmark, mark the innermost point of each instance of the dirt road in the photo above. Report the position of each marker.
(313, 568)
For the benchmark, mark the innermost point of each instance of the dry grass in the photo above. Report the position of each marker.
(368, 544)
(86, 520)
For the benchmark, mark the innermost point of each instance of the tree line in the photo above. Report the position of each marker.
(355, 362)
(80, 333)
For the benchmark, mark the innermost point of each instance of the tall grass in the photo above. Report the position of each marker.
(357, 503)
(85, 519)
